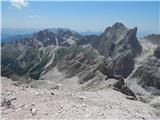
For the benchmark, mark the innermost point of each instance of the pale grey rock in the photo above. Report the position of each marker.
(113, 83)
(155, 103)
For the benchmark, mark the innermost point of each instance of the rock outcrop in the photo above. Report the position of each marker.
(147, 75)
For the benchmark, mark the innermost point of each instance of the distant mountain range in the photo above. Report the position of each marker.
(154, 38)
(16, 33)
(9, 34)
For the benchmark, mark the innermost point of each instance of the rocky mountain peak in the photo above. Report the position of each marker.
(118, 25)
(120, 43)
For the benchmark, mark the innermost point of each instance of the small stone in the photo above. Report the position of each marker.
(37, 94)
(52, 93)
(84, 105)
(69, 93)
(81, 97)
(32, 104)
(57, 86)
(16, 84)
(130, 97)
(33, 111)
(13, 98)
(87, 115)
(46, 113)
(5, 112)
(22, 105)
(19, 109)
(23, 89)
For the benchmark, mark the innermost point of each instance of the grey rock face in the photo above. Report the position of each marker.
(118, 39)
(119, 43)
(125, 90)
(157, 52)
(120, 86)
(86, 76)
(148, 74)
(123, 63)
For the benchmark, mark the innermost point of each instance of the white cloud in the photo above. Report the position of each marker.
(34, 16)
(19, 3)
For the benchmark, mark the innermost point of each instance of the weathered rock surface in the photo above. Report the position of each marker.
(147, 75)
(155, 103)
(33, 103)
(30, 56)
(119, 43)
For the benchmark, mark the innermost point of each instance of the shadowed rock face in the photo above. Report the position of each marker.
(122, 45)
(118, 38)
(157, 52)
(148, 74)
(119, 43)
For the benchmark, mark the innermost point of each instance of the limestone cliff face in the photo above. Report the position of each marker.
(119, 43)
(148, 73)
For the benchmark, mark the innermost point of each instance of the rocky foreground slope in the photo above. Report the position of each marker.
(20, 101)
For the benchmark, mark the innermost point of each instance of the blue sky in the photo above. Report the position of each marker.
(82, 16)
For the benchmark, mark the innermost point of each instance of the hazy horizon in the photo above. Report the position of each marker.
(23, 31)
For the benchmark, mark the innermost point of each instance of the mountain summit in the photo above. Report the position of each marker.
(120, 43)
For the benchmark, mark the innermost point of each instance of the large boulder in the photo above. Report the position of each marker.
(114, 83)
(127, 91)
